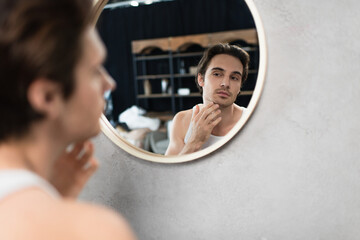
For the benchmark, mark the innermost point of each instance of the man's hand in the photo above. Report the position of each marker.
(202, 123)
(73, 169)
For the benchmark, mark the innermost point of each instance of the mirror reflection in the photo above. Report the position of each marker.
(153, 54)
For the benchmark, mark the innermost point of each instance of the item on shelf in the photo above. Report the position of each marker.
(147, 87)
(135, 119)
(164, 85)
(193, 70)
(169, 90)
(182, 67)
(184, 91)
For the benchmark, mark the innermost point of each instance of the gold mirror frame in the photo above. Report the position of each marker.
(112, 134)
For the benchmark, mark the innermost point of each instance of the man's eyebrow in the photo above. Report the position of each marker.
(217, 68)
(236, 72)
(221, 69)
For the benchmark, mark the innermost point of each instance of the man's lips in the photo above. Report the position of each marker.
(223, 93)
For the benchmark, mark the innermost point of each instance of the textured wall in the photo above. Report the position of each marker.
(293, 172)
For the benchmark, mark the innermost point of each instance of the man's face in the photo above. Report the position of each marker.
(84, 108)
(222, 81)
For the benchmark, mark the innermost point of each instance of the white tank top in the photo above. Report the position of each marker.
(212, 139)
(15, 180)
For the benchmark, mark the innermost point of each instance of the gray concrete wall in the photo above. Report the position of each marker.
(293, 172)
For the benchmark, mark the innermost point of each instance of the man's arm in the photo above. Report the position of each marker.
(177, 134)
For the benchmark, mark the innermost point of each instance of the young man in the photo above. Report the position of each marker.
(221, 72)
(51, 95)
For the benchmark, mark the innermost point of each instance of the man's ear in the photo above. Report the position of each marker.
(200, 80)
(238, 93)
(44, 96)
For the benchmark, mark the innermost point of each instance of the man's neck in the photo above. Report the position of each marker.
(229, 116)
(35, 153)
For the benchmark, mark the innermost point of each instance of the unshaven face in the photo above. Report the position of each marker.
(222, 81)
(85, 106)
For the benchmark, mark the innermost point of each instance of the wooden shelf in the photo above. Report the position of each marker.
(205, 40)
(155, 95)
(246, 93)
(184, 75)
(191, 54)
(176, 55)
(176, 75)
(166, 95)
(154, 57)
(163, 116)
(190, 95)
(161, 76)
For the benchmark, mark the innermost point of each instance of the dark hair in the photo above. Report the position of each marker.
(38, 38)
(223, 48)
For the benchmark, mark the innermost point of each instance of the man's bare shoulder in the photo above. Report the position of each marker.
(183, 115)
(88, 218)
(238, 112)
(182, 120)
(237, 107)
(36, 215)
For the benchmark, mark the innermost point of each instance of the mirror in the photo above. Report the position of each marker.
(153, 51)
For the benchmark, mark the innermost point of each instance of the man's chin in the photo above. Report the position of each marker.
(96, 132)
(91, 133)
(224, 104)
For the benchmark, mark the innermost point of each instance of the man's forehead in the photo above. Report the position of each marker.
(225, 62)
(94, 49)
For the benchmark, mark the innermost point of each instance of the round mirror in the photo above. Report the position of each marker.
(154, 48)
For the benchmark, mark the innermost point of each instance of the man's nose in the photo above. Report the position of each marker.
(108, 82)
(225, 81)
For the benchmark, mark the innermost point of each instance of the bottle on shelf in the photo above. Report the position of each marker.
(147, 87)
(182, 67)
(164, 85)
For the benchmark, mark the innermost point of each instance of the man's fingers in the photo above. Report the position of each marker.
(88, 152)
(213, 115)
(92, 166)
(207, 114)
(215, 122)
(212, 112)
(207, 109)
(211, 108)
(196, 110)
(76, 149)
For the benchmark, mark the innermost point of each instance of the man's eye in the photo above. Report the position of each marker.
(216, 74)
(99, 70)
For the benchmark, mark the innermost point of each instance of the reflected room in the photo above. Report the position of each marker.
(153, 51)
